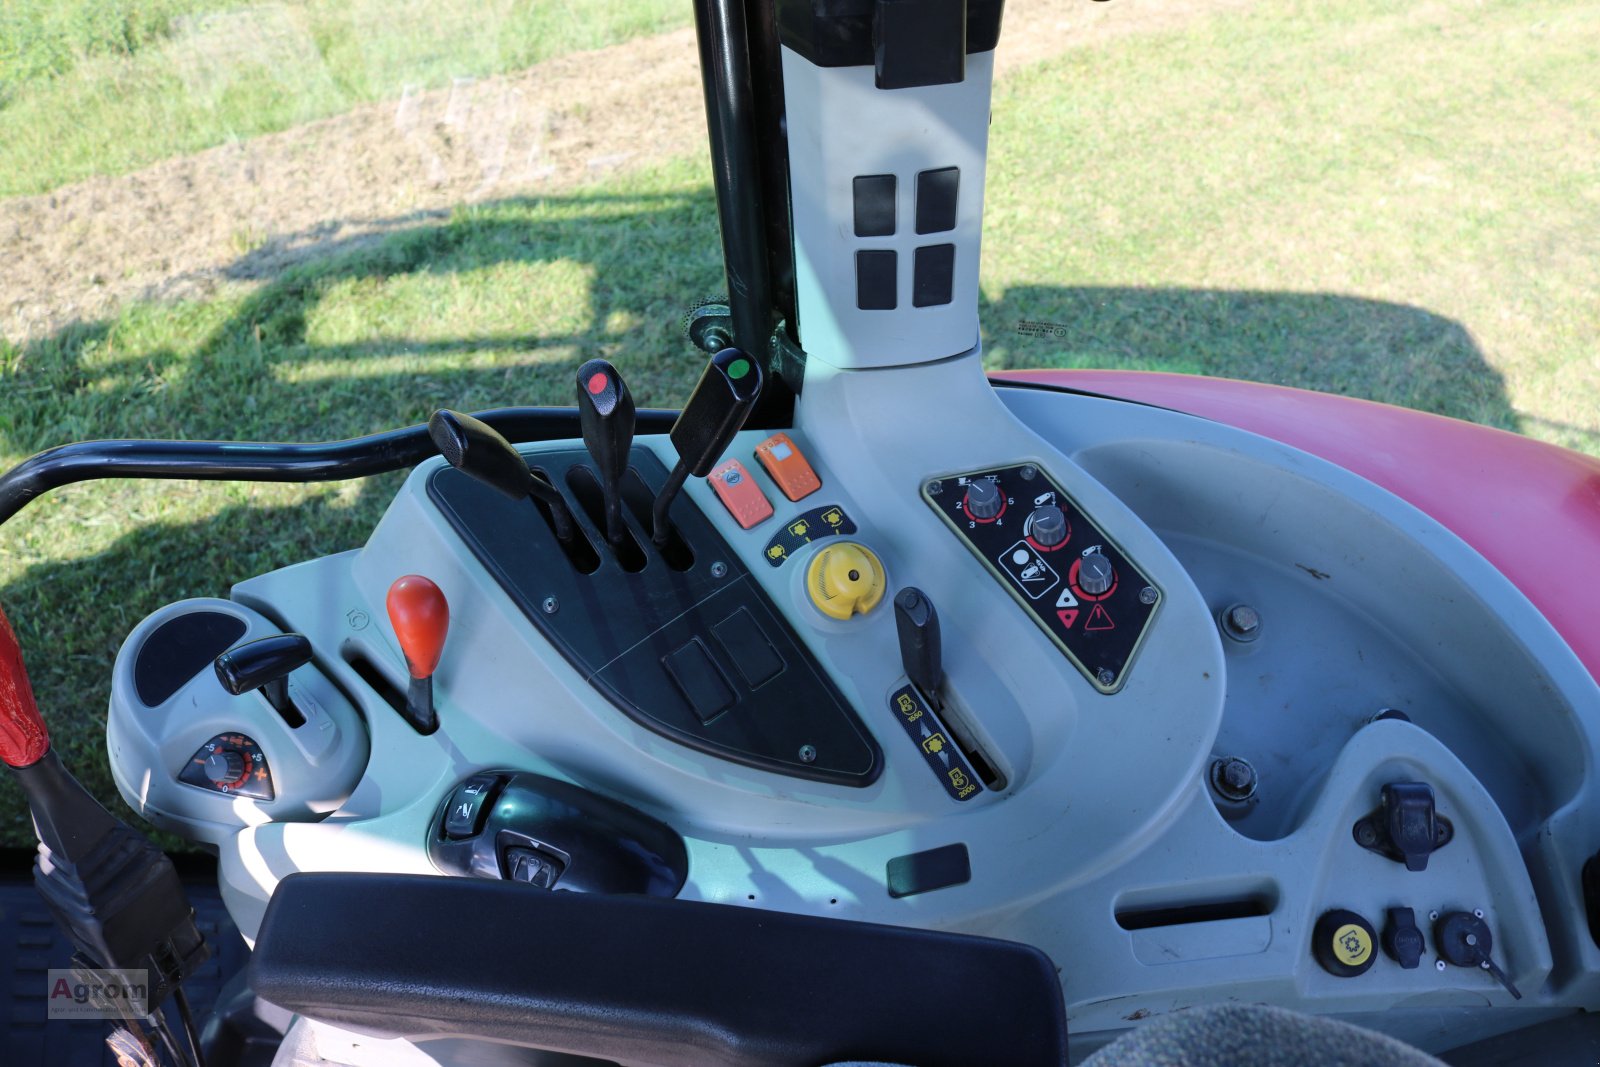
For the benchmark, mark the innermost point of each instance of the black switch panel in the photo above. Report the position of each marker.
(934, 277)
(874, 203)
(763, 700)
(875, 280)
(937, 192)
(1100, 627)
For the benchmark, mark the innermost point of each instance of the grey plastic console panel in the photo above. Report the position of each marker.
(1106, 807)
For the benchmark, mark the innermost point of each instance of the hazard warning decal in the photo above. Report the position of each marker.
(1076, 583)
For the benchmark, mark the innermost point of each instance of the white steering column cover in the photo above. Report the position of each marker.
(840, 127)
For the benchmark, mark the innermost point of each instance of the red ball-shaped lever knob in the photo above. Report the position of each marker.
(420, 616)
(23, 737)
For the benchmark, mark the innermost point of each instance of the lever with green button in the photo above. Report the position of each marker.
(716, 410)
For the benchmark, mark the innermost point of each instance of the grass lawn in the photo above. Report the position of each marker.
(106, 86)
(1384, 199)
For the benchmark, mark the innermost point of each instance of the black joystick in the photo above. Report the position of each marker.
(265, 664)
(477, 449)
(605, 410)
(721, 401)
(921, 652)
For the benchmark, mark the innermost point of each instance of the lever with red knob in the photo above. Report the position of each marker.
(420, 616)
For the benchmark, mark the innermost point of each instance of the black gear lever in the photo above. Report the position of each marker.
(475, 448)
(921, 652)
(266, 664)
(605, 410)
(721, 401)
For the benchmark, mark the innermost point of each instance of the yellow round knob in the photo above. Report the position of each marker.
(845, 579)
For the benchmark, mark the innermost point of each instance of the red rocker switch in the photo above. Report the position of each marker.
(740, 494)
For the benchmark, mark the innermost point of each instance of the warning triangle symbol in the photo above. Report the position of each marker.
(1098, 620)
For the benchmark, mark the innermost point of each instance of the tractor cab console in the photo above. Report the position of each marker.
(862, 635)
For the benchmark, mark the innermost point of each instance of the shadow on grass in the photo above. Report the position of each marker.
(154, 373)
(1334, 344)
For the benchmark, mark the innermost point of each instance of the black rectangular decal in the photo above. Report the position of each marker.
(938, 748)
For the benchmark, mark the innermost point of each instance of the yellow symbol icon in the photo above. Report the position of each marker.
(907, 705)
(833, 516)
(1352, 945)
(934, 745)
(799, 528)
(958, 778)
(776, 552)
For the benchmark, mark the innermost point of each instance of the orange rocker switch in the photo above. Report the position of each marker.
(788, 466)
(740, 494)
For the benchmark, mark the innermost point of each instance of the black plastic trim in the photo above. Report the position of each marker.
(839, 33)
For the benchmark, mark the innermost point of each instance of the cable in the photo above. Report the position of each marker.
(169, 1040)
(189, 1030)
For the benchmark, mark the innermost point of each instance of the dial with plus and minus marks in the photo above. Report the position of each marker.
(232, 764)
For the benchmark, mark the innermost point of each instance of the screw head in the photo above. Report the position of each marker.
(1233, 778)
(1366, 836)
(550, 605)
(935, 488)
(808, 753)
(1433, 916)
(1477, 913)
(1438, 965)
(1149, 595)
(1029, 473)
(1241, 622)
(719, 569)
(1106, 676)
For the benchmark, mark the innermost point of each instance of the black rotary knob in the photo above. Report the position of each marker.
(1095, 574)
(224, 766)
(983, 499)
(1048, 526)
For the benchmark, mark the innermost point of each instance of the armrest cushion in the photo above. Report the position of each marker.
(644, 980)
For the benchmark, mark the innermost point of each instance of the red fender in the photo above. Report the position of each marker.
(1530, 508)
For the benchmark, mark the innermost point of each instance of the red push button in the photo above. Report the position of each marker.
(788, 466)
(740, 494)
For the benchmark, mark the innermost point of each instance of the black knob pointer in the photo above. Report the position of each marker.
(921, 651)
(605, 411)
(265, 664)
(721, 401)
(477, 449)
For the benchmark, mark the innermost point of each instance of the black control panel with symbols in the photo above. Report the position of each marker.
(230, 763)
(1076, 583)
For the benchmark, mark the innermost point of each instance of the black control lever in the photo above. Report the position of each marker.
(266, 664)
(721, 401)
(475, 448)
(921, 653)
(605, 410)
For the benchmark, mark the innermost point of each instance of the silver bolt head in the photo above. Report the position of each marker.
(1106, 676)
(1438, 965)
(808, 753)
(551, 605)
(719, 569)
(1149, 595)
